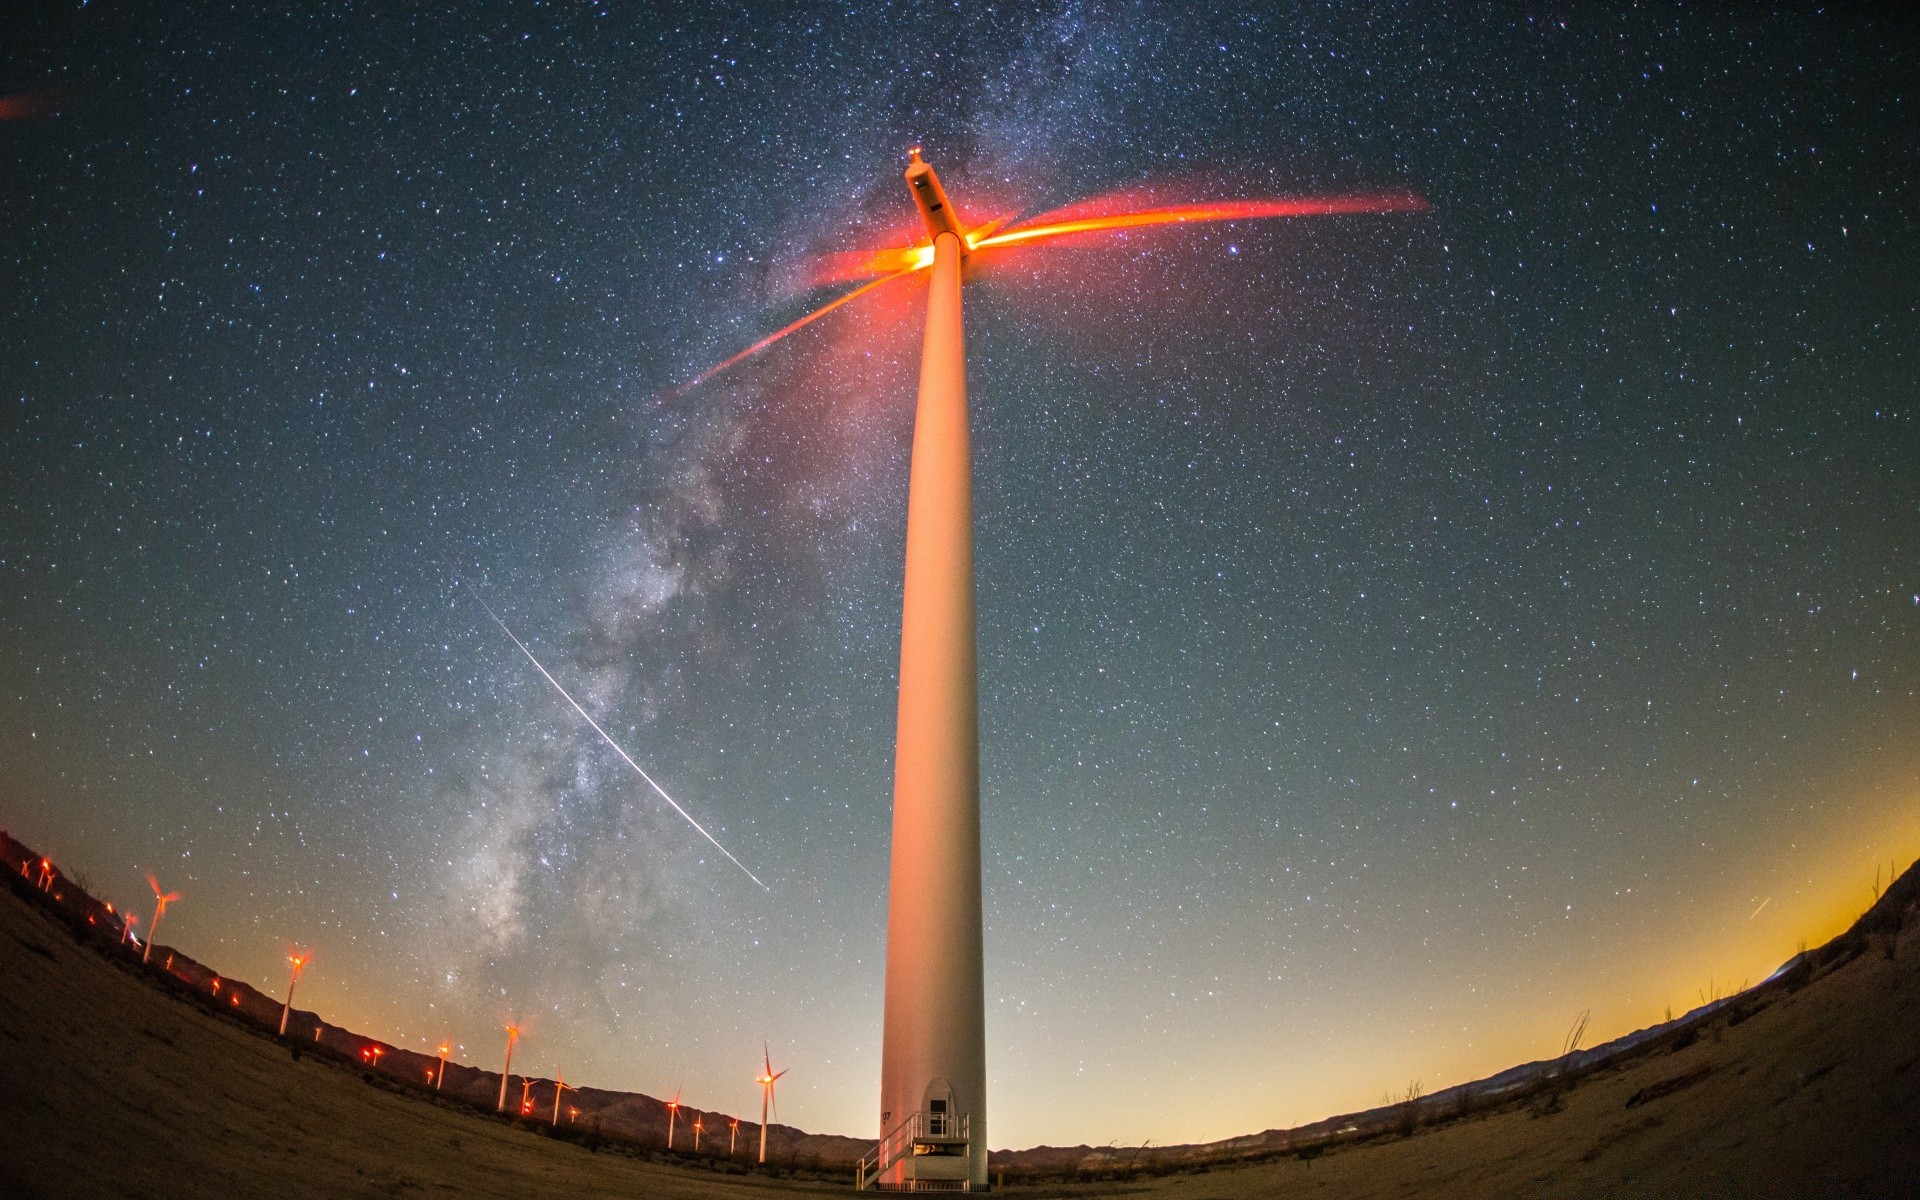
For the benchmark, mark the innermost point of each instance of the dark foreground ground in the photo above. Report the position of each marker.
(1810, 1086)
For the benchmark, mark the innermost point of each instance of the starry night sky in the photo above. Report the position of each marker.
(1398, 633)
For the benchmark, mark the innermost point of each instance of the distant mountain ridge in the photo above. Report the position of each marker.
(642, 1120)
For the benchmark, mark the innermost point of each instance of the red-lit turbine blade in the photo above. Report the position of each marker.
(1045, 227)
(850, 265)
(791, 327)
(28, 104)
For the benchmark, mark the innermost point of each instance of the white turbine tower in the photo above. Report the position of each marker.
(933, 1074)
(767, 1079)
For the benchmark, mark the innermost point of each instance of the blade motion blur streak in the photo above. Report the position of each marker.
(1236, 210)
(658, 790)
(793, 327)
(897, 262)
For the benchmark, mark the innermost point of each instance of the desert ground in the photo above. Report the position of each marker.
(112, 1086)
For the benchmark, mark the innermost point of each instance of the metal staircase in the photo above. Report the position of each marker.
(923, 1145)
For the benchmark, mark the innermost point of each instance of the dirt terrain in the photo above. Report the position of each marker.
(118, 1081)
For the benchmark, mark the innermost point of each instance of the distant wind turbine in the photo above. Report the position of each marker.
(513, 1035)
(446, 1048)
(766, 1081)
(299, 959)
(560, 1084)
(160, 901)
(673, 1114)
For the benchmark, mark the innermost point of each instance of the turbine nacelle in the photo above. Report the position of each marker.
(935, 209)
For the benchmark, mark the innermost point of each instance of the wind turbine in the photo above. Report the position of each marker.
(766, 1081)
(699, 1123)
(160, 901)
(446, 1048)
(673, 1114)
(560, 1084)
(513, 1035)
(526, 1096)
(934, 1024)
(299, 960)
(733, 1134)
(127, 922)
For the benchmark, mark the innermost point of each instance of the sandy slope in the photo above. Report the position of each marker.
(109, 1087)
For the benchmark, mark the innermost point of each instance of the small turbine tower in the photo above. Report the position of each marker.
(299, 959)
(767, 1078)
(160, 901)
(673, 1114)
(513, 1035)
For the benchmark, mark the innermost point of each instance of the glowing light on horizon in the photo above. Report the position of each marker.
(658, 790)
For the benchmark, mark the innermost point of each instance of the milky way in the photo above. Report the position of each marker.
(1399, 632)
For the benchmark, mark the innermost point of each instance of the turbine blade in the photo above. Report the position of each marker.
(1049, 226)
(627, 758)
(790, 327)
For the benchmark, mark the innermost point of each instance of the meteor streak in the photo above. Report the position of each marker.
(658, 790)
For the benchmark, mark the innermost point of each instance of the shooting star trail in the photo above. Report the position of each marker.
(658, 790)
(1763, 904)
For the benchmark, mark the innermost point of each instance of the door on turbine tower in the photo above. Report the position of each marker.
(942, 1152)
(938, 1110)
